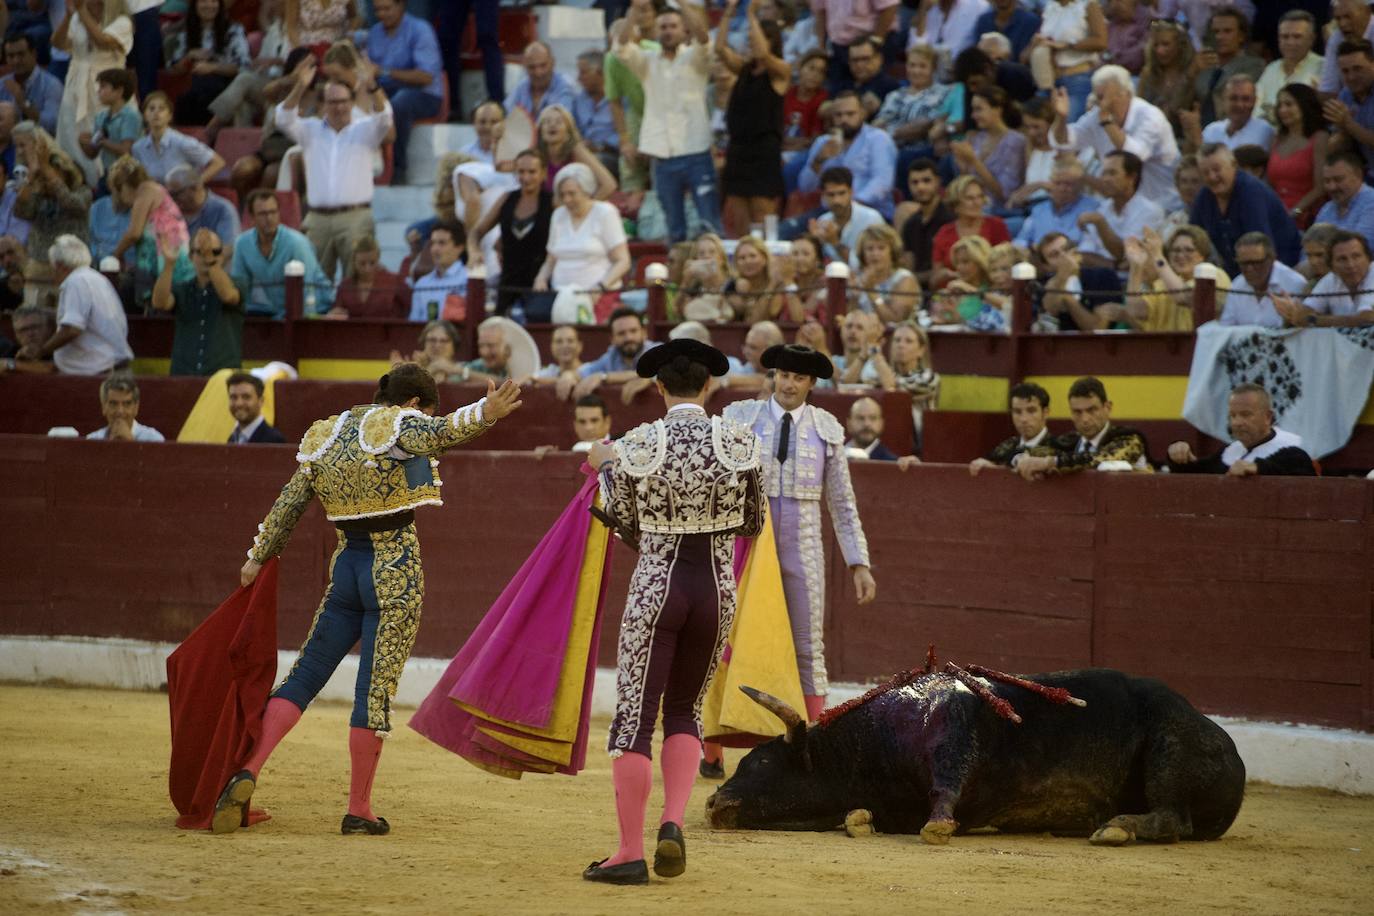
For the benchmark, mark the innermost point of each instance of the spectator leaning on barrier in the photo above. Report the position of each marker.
(1030, 409)
(1250, 301)
(617, 364)
(862, 336)
(1095, 439)
(1344, 297)
(92, 332)
(1077, 297)
(493, 353)
(32, 325)
(591, 422)
(208, 306)
(438, 293)
(565, 346)
(1233, 203)
(1165, 266)
(119, 403)
(865, 428)
(261, 256)
(368, 289)
(1260, 447)
(245, 404)
(1351, 201)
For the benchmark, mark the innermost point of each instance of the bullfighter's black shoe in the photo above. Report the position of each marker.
(635, 872)
(360, 825)
(709, 770)
(670, 856)
(233, 802)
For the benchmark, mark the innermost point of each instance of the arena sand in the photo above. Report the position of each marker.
(86, 827)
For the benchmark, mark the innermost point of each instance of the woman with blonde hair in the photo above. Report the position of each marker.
(966, 199)
(560, 143)
(908, 369)
(369, 290)
(704, 278)
(99, 35)
(1167, 79)
(1166, 266)
(755, 292)
(155, 225)
(964, 300)
(886, 288)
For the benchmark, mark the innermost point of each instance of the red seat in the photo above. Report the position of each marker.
(441, 117)
(799, 202)
(228, 194)
(233, 144)
(194, 132)
(175, 83)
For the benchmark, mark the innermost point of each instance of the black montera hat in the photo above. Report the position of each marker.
(798, 359)
(655, 359)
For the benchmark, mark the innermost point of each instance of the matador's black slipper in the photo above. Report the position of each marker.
(670, 856)
(353, 824)
(233, 803)
(636, 872)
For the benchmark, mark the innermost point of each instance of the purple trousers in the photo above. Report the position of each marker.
(678, 614)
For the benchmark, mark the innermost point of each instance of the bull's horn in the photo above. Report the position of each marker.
(787, 714)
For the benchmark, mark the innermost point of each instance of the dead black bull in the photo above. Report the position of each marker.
(1094, 753)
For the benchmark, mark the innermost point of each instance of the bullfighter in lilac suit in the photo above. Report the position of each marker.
(803, 460)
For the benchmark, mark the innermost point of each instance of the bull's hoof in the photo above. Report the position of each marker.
(937, 833)
(859, 822)
(1111, 835)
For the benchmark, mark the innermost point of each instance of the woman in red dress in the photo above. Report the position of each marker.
(966, 197)
(1299, 153)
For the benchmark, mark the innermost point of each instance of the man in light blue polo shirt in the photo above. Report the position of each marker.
(844, 219)
(1061, 212)
(405, 52)
(449, 278)
(1351, 203)
(260, 257)
(866, 151)
(542, 86)
(617, 365)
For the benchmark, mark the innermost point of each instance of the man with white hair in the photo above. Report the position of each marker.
(92, 333)
(995, 45)
(1233, 203)
(1297, 62)
(1122, 121)
(493, 353)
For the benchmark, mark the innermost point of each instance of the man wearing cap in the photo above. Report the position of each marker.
(805, 459)
(680, 489)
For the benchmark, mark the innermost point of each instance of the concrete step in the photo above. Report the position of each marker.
(429, 142)
(403, 202)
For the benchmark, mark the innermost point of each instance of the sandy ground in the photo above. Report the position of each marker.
(87, 827)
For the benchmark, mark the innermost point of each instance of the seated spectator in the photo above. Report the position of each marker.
(968, 298)
(752, 179)
(565, 346)
(1254, 161)
(866, 152)
(1095, 438)
(1233, 203)
(844, 219)
(617, 364)
(32, 325)
(1316, 245)
(55, 200)
(1298, 159)
(478, 188)
(1077, 297)
(405, 53)
(1030, 409)
(1353, 20)
(1166, 80)
(337, 149)
(1241, 125)
(976, 70)
(1260, 447)
(1342, 298)
(108, 224)
(705, 273)
(319, 23)
(861, 336)
(489, 122)
(801, 111)
(201, 209)
(156, 225)
(1066, 50)
(245, 404)
(868, 76)
(886, 288)
(442, 292)
(592, 110)
(262, 167)
(865, 428)
(948, 26)
(1227, 56)
(439, 344)
(163, 149)
(1350, 204)
(966, 198)
(591, 422)
(1187, 184)
(1297, 63)
(924, 112)
(908, 369)
(12, 259)
(808, 257)
(493, 353)
(208, 306)
(244, 100)
(1124, 214)
(213, 49)
(1166, 266)
(117, 125)
(920, 219)
(542, 86)
(445, 200)
(368, 289)
(11, 226)
(1041, 157)
(587, 246)
(1249, 301)
(119, 404)
(261, 256)
(1128, 31)
(994, 153)
(754, 292)
(1067, 210)
(35, 92)
(92, 336)
(1351, 112)
(1012, 19)
(749, 371)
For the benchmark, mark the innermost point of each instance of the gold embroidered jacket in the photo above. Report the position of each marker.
(368, 461)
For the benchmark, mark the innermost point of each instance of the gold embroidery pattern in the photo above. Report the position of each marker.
(281, 519)
(399, 581)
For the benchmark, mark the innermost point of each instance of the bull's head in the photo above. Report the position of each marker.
(775, 786)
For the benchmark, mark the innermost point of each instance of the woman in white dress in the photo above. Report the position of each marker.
(587, 247)
(98, 34)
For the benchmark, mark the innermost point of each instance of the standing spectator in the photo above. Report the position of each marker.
(1227, 56)
(1241, 126)
(523, 216)
(155, 224)
(35, 92)
(617, 364)
(868, 74)
(245, 405)
(843, 22)
(966, 198)
(146, 54)
(1166, 80)
(948, 26)
(1351, 202)
(98, 34)
(1030, 408)
(1354, 21)
(919, 220)
(1068, 47)
(1297, 62)
(208, 306)
(1166, 267)
(887, 289)
(592, 110)
(368, 289)
(92, 336)
(486, 29)
(405, 53)
(865, 151)
(626, 94)
(1352, 110)
(587, 247)
(319, 23)
(1342, 298)
(676, 130)
(488, 121)
(1122, 121)
(844, 219)
(442, 292)
(203, 210)
(163, 149)
(1064, 210)
(995, 153)
(1298, 158)
(865, 428)
(117, 125)
(1012, 19)
(1260, 447)
(1233, 203)
(260, 258)
(213, 50)
(1250, 301)
(1124, 214)
(1128, 30)
(338, 150)
(752, 177)
(119, 400)
(54, 200)
(542, 86)
(925, 112)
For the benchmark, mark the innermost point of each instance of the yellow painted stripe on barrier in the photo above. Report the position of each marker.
(1135, 397)
(343, 369)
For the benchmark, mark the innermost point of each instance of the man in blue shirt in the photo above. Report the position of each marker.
(617, 364)
(202, 209)
(592, 111)
(866, 151)
(1232, 203)
(1352, 110)
(449, 278)
(260, 258)
(34, 91)
(542, 86)
(405, 53)
(1351, 203)
(1011, 19)
(1061, 212)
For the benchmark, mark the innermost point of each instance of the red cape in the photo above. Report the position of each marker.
(217, 685)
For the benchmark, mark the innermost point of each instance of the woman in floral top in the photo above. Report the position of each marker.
(213, 50)
(925, 111)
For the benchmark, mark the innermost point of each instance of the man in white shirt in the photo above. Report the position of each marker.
(1250, 301)
(676, 130)
(1240, 127)
(119, 404)
(447, 283)
(949, 26)
(1124, 214)
(338, 152)
(1297, 62)
(1122, 121)
(1342, 298)
(92, 334)
(1353, 21)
